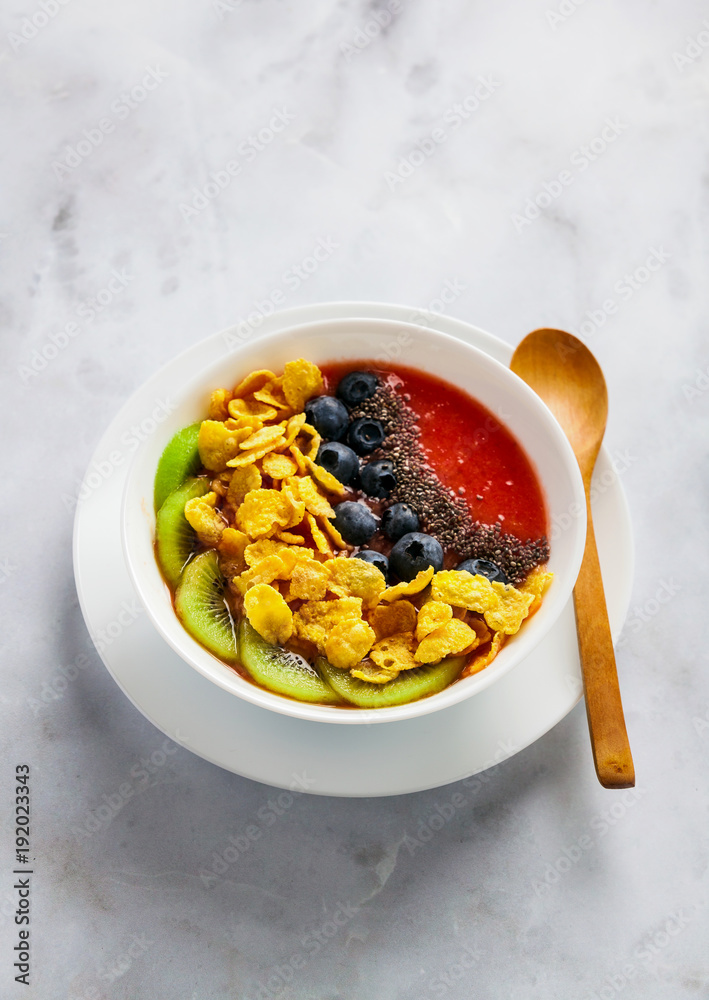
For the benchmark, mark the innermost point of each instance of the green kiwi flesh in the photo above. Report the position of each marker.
(410, 685)
(282, 670)
(202, 608)
(176, 539)
(179, 460)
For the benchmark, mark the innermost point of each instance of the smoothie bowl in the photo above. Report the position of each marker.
(347, 521)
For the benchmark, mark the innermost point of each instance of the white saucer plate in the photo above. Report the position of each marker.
(366, 760)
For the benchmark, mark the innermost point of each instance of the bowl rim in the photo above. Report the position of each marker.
(216, 671)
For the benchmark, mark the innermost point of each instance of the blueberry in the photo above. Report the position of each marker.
(378, 479)
(365, 434)
(398, 520)
(414, 552)
(328, 416)
(377, 559)
(356, 387)
(355, 522)
(339, 460)
(483, 567)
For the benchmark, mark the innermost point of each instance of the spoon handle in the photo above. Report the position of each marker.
(609, 738)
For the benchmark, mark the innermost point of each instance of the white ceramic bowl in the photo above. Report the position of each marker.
(494, 385)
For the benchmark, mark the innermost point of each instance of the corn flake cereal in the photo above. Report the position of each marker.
(272, 394)
(348, 643)
(315, 619)
(395, 652)
(484, 659)
(356, 578)
(334, 534)
(431, 616)
(232, 544)
(269, 613)
(217, 444)
(301, 381)
(323, 477)
(253, 382)
(278, 466)
(251, 410)
(446, 640)
(388, 619)
(320, 540)
(535, 584)
(264, 436)
(263, 512)
(291, 539)
(313, 499)
(415, 586)
(372, 674)
(513, 608)
(205, 520)
(309, 581)
(293, 429)
(242, 482)
(218, 403)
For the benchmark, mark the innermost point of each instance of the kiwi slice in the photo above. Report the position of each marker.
(410, 685)
(179, 460)
(282, 670)
(202, 608)
(176, 540)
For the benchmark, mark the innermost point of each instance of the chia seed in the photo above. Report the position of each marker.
(443, 512)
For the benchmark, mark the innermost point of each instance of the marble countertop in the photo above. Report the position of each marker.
(170, 169)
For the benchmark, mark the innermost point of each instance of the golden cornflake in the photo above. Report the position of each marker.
(247, 457)
(269, 613)
(348, 643)
(315, 619)
(301, 381)
(256, 551)
(291, 539)
(307, 430)
(232, 544)
(266, 570)
(266, 436)
(278, 466)
(446, 640)
(415, 586)
(272, 394)
(334, 534)
(395, 652)
(313, 499)
(535, 584)
(299, 458)
(309, 580)
(323, 477)
(205, 520)
(263, 512)
(356, 578)
(483, 660)
(242, 482)
(511, 611)
(373, 675)
(251, 409)
(460, 588)
(293, 429)
(218, 402)
(217, 444)
(321, 542)
(388, 619)
(432, 615)
(253, 382)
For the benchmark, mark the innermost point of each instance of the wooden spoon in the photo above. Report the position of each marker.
(564, 373)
